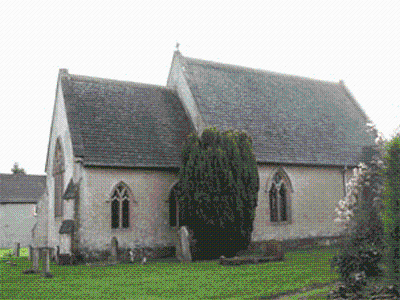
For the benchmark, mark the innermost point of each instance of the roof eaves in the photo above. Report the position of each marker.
(130, 166)
(100, 80)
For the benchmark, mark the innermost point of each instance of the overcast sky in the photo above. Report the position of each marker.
(356, 41)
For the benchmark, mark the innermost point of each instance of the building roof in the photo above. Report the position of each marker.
(124, 124)
(67, 226)
(292, 120)
(21, 188)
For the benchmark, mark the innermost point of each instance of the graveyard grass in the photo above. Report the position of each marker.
(163, 279)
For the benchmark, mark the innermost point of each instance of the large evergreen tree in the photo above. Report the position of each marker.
(217, 192)
(391, 217)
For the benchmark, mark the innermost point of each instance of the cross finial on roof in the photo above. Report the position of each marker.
(177, 46)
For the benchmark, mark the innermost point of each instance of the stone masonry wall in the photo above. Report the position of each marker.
(316, 192)
(149, 221)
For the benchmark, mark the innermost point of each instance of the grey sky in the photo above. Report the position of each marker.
(357, 41)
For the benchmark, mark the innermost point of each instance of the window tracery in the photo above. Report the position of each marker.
(279, 198)
(58, 174)
(120, 207)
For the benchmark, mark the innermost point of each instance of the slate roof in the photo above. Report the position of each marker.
(21, 188)
(124, 124)
(291, 119)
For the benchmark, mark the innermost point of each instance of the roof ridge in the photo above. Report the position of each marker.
(86, 78)
(23, 174)
(256, 70)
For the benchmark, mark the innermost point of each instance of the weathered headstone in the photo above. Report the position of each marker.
(30, 252)
(46, 263)
(272, 248)
(35, 262)
(114, 249)
(131, 255)
(57, 255)
(16, 250)
(184, 245)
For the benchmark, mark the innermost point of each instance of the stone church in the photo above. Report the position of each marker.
(114, 152)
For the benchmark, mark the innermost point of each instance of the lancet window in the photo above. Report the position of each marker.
(279, 198)
(58, 174)
(120, 200)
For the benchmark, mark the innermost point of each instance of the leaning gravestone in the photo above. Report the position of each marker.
(30, 252)
(114, 249)
(35, 260)
(273, 248)
(46, 263)
(184, 244)
(17, 248)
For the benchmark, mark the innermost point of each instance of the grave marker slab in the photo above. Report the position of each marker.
(184, 243)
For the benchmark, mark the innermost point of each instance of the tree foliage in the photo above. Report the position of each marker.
(391, 217)
(218, 191)
(360, 210)
(16, 169)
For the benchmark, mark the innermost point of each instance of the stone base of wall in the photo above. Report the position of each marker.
(84, 255)
(312, 242)
(303, 243)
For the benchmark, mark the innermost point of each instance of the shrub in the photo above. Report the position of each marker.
(392, 210)
(362, 247)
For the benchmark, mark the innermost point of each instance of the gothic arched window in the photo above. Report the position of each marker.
(120, 206)
(58, 174)
(279, 197)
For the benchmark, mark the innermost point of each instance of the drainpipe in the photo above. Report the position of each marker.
(344, 181)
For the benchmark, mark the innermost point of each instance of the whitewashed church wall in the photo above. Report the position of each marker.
(149, 211)
(316, 192)
(16, 223)
(60, 129)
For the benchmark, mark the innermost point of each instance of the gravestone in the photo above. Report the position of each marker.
(272, 248)
(35, 260)
(183, 249)
(30, 252)
(34, 256)
(114, 249)
(46, 263)
(17, 248)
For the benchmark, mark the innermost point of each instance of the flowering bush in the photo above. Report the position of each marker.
(360, 211)
(367, 174)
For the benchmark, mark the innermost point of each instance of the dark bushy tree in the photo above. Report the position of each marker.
(217, 191)
(16, 169)
(391, 216)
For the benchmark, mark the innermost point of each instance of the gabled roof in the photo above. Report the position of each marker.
(292, 120)
(21, 188)
(124, 124)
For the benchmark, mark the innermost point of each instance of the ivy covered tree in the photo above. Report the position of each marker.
(391, 217)
(217, 191)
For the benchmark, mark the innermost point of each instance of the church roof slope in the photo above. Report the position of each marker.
(124, 124)
(291, 119)
(21, 188)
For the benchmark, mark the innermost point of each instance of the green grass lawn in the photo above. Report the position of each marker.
(8, 252)
(167, 279)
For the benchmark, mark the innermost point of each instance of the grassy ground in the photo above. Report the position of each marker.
(24, 252)
(168, 279)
